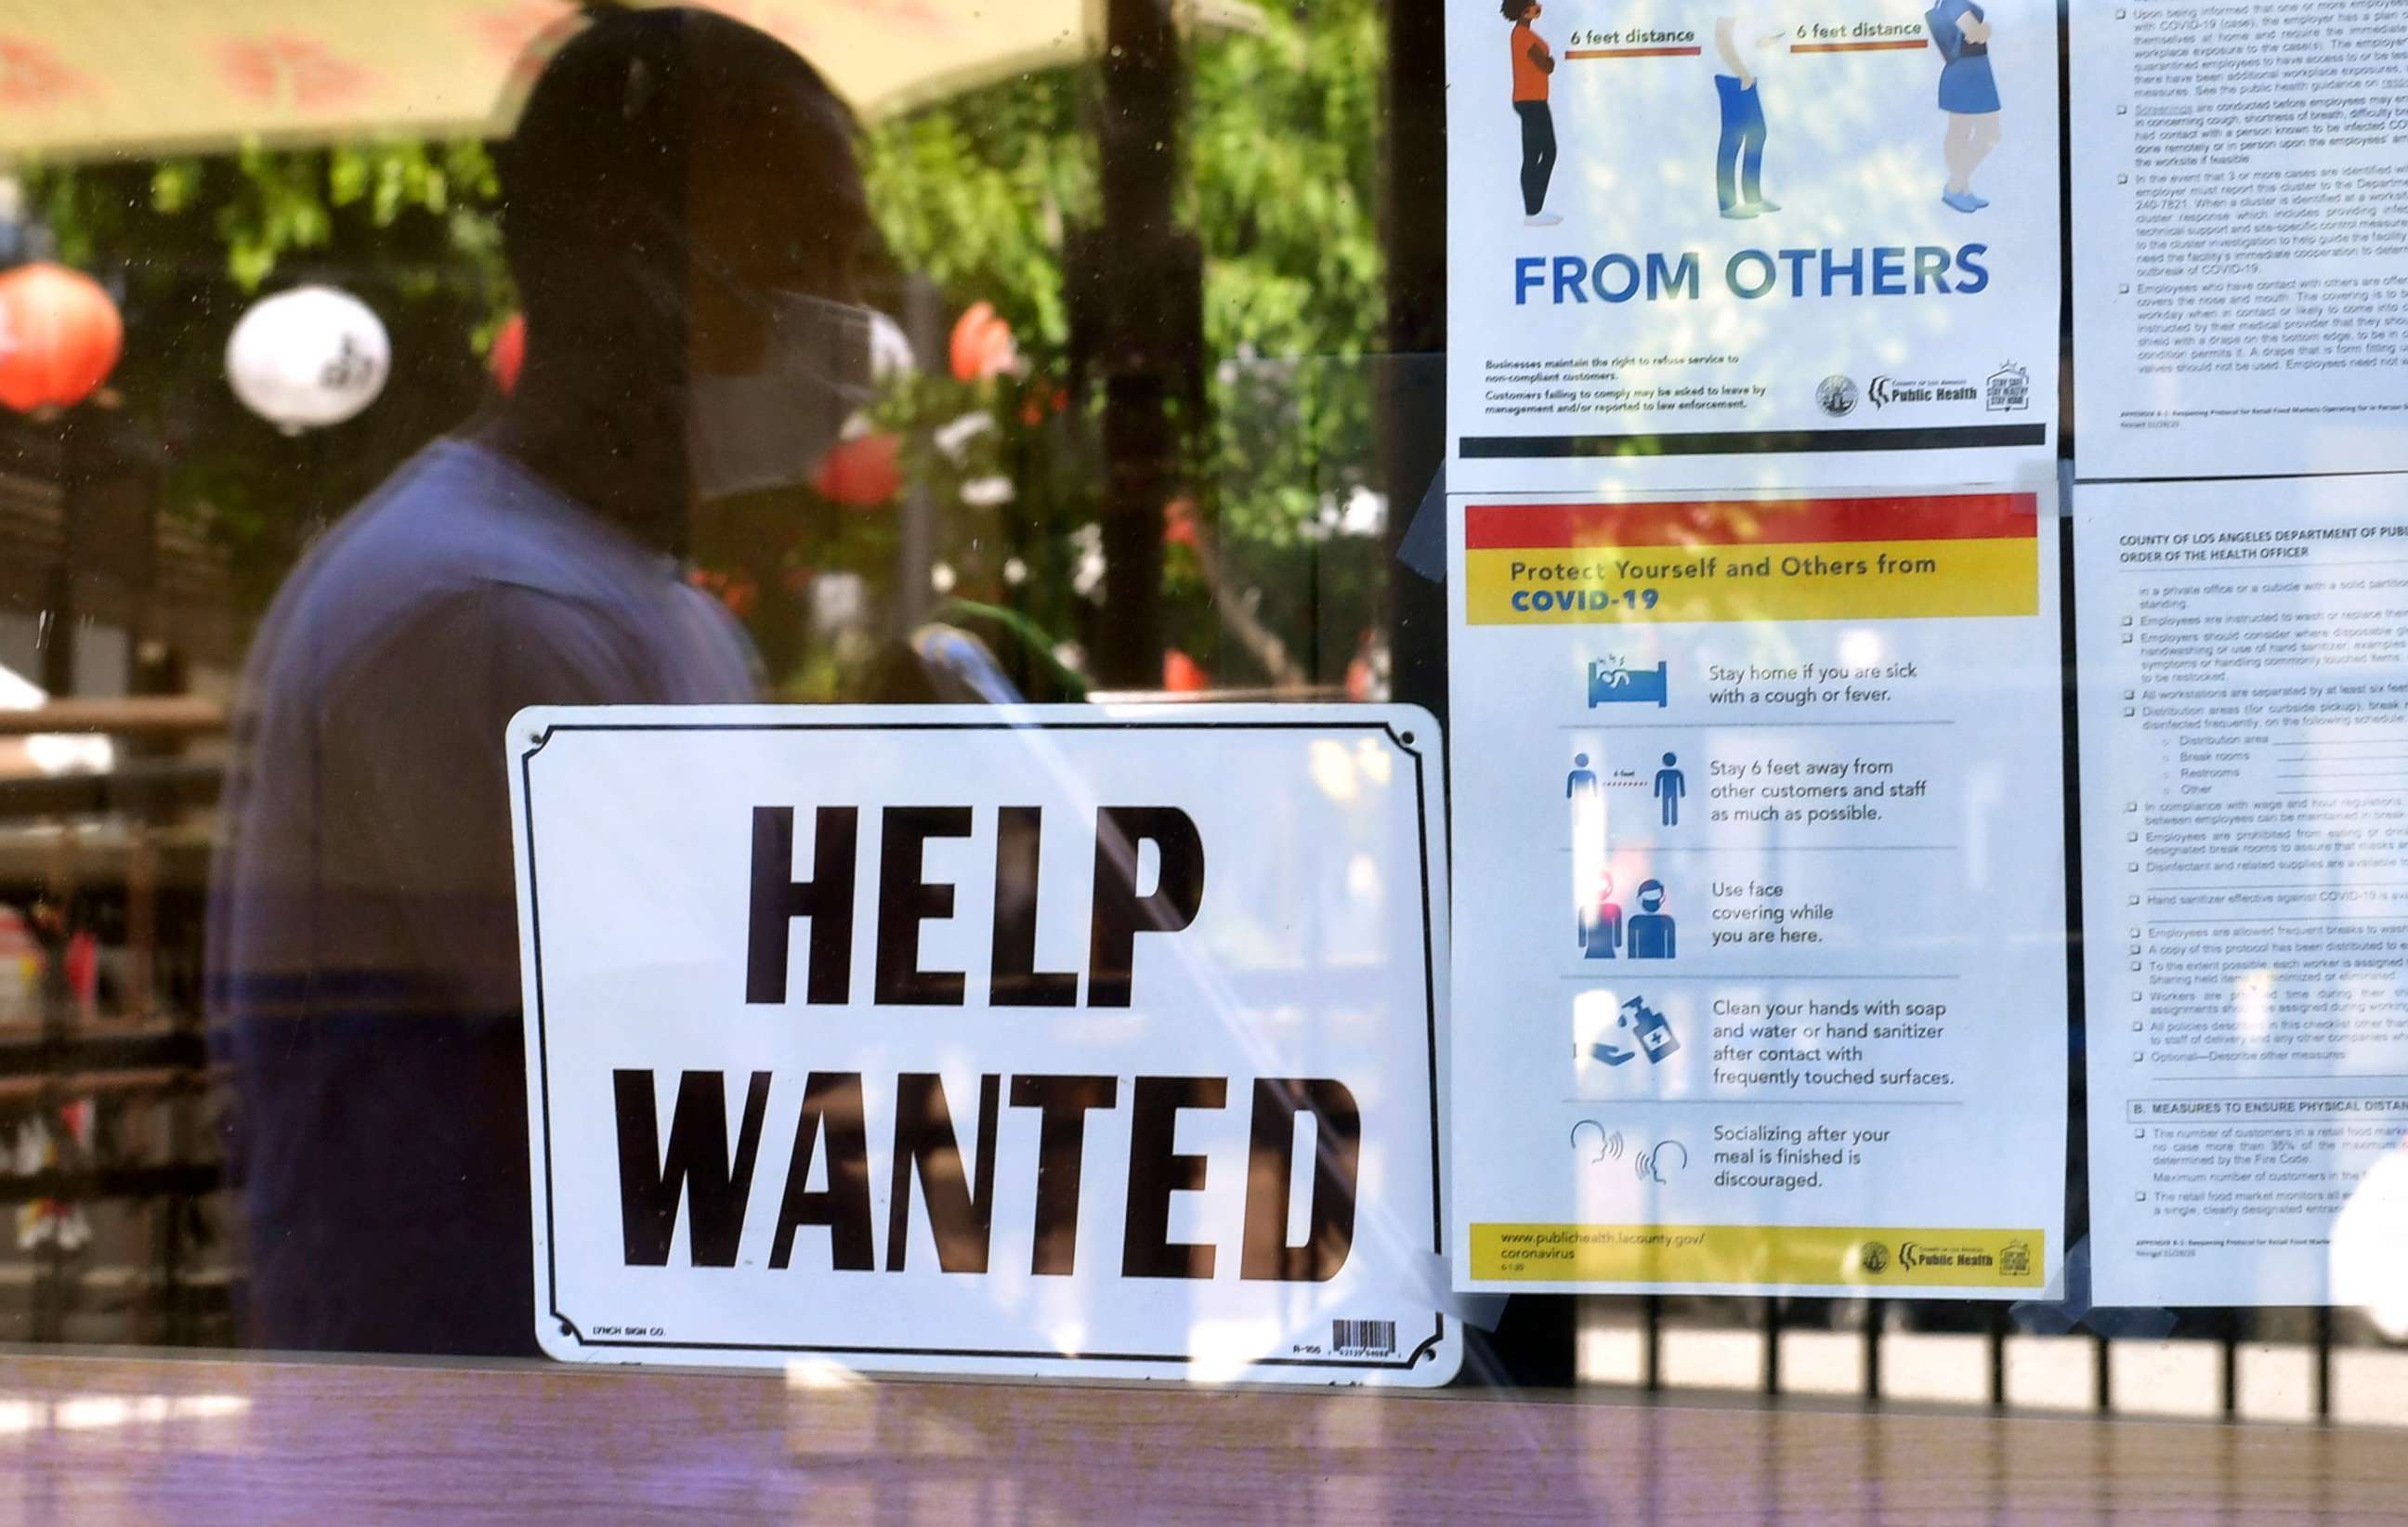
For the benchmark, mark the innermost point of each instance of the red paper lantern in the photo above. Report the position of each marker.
(981, 344)
(862, 472)
(59, 336)
(1179, 522)
(508, 354)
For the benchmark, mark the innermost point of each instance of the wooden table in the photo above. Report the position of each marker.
(192, 1441)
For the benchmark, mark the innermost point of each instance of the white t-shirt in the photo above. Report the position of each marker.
(1759, 38)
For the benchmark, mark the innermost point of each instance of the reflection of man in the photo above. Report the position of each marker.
(681, 203)
(1740, 43)
(1534, 65)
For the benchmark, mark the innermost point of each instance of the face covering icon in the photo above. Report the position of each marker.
(771, 427)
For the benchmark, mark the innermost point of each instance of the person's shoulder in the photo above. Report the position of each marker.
(460, 515)
(463, 512)
(456, 536)
(355, 578)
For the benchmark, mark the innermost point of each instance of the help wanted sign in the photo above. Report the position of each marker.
(1057, 1040)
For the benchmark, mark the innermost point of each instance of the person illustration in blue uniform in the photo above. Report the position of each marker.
(1600, 928)
(1670, 785)
(1651, 932)
(1740, 45)
(1968, 96)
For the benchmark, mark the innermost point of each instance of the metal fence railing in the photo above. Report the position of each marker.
(2287, 1366)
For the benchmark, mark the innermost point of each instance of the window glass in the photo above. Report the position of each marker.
(373, 376)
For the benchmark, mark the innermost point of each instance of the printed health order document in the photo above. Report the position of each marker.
(2244, 821)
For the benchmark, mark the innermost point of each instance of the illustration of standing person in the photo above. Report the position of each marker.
(1670, 785)
(1581, 786)
(1534, 62)
(1586, 792)
(1740, 42)
(1968, 96)
(1601, 924)
(1651, 931)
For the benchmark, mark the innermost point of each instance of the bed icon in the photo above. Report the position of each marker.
(1610, 684)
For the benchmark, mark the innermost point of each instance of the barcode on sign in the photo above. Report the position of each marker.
(1363, 1338)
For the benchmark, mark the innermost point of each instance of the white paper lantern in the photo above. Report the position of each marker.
(307, 358)
(890, 349)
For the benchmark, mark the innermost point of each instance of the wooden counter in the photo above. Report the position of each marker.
(188, 1441)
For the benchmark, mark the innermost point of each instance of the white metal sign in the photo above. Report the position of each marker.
(1064, 1040)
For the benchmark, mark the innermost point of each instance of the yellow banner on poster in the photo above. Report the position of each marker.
(1760, 1254)
(1853, 581)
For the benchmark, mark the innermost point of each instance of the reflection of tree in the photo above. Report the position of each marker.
(189, 242)
(987, 193)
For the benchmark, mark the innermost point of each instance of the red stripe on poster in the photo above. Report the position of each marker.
(1786, 521)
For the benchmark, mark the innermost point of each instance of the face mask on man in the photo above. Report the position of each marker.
(771, 427)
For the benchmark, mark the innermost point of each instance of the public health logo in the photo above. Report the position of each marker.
(1886, 391)
(2009, 389)
(1837, 394)
(1874, 1257)
(2014, 1260)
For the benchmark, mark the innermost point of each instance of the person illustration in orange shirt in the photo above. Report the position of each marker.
(1534, 62)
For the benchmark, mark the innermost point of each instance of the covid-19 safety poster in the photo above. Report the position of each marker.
(1700, 243)
(1760, 981)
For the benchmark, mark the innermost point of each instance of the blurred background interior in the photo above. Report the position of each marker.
(1159, 396)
